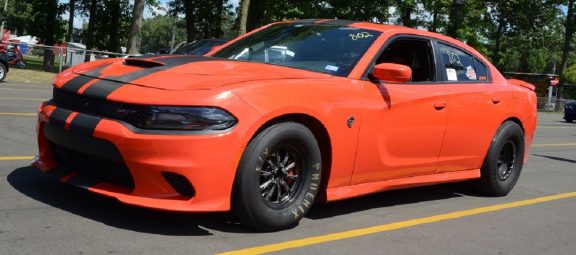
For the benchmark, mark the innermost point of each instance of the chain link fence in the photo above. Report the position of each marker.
(50, 58)
(547, 105)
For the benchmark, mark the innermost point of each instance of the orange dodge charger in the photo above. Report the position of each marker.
(290, 114)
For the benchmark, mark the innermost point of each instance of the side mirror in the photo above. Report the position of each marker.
(395, 73)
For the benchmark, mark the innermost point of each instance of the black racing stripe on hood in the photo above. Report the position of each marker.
(104, 87)
(177, 60)
(84, 124)
(58, 117)
(77, 82)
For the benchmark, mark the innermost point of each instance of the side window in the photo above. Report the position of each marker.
(414, 53)
(480, 70)
(461, 66)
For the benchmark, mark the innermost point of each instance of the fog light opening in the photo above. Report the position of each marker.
(180, 184)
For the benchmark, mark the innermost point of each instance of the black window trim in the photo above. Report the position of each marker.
(392, 39)
(440, 63)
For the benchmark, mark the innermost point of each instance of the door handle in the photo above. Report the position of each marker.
(440, 105)
(496, 100)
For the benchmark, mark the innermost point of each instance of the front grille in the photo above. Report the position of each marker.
(105, 170)
(135, 115)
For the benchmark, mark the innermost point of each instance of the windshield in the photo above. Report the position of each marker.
(322, 48)
(198, 47)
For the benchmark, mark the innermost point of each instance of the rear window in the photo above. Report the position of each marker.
(460, 66)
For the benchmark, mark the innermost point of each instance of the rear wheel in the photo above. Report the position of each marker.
(278, 177)
(503, 163)
(569, 120)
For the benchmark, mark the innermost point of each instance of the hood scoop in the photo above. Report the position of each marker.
(143, 63)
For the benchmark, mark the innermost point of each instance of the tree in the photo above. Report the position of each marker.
(115, 12)
(456, 18)
(204, 18)
(47, 26)
(157, 33)
(438, 10)
(135, 25)
(89, 34)
(405, 9)
(71, 9)
(243, 16)
(568, 34)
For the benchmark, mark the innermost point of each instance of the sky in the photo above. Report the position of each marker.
(78, 21)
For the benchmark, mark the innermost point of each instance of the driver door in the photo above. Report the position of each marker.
(402, 125)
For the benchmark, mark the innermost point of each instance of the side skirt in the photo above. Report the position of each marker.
(356, 190)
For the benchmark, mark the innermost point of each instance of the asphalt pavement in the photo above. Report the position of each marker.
(39, 215)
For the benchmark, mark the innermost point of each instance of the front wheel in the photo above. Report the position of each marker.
(278, 177)
(568, 120)
(2, 71)
(503, 163)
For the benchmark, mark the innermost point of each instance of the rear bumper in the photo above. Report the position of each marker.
(110, 159)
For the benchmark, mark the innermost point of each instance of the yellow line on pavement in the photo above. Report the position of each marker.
(393, 226)
(23, 98)
(16, 158)
(554, 144)
(18, 114)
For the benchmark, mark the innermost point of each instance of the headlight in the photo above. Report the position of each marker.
(188, 118)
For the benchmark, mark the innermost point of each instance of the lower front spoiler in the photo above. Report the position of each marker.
(123, 194)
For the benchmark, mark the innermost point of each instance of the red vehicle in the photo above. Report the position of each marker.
(288, 115)
(12, 55)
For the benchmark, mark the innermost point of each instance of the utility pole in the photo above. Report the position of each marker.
(3, 22)
(173, 35)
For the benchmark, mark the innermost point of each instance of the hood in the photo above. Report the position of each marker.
(190, 72)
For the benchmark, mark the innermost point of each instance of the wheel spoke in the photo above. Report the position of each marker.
(279, 192)
(286, 186)
(269, 195)
(292, 177)
(285, 160)
(265, 173)
(266, 184)
(288, 167)
(278, 160)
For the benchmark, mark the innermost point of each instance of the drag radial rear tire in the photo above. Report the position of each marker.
(278, 177)
(503, 163)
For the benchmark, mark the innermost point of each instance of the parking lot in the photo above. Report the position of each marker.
(38, 215)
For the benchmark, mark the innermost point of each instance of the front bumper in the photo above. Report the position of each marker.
(131, 167)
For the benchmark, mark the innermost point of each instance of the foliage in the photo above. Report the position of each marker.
(569, 76)
(517, 35)
(207, 17)
(157, 33)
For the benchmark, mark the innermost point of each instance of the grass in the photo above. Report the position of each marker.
(29, 76)
(35, 62)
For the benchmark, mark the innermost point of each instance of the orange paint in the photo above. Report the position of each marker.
(404, 135)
